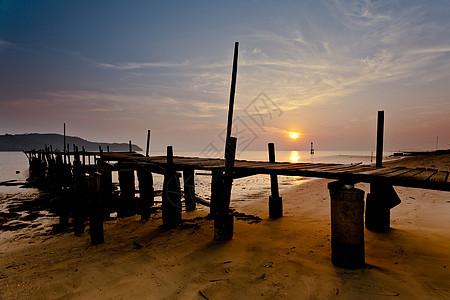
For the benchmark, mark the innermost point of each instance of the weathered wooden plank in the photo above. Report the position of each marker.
(440, 176)
(398, 172)
(411, 173)
(381, 171)
(425, 174)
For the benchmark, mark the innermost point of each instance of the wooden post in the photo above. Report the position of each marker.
(275, 201)
(189, 189)
(171, 197)
(64, 143)
(146, 193)
(216, 191)
(79, 206)
(347, 225)
(380, 200)
(68, 153)
(380, 132)
(107, 148)
(224, 221)
(129, 146)
(95, 209)
(84, 155)
(147, 150)
(232, 91)
(127, 203)
(106, 189)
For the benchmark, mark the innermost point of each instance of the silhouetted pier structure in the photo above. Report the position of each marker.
(90, 187)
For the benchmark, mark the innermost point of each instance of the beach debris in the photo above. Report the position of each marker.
(269, 265)
(227, 262)
(137, 245)
(244, 217)
(203, 295)
(215, 280)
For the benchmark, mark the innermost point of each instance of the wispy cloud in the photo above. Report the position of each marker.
(4, 44)
(142, 65)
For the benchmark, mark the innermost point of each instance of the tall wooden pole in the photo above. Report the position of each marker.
(232, 91)
(148, 143)
(64, 142)
(380, 132)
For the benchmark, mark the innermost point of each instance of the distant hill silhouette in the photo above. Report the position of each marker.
(30, 141)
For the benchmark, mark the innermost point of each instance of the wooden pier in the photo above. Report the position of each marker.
(88, 189)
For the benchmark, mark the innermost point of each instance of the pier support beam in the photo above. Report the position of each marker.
(79, 200)
(216, 190)
(171, 196)
(275, 201)
(347, 225)
(189, 189)
(146, 193)
(106, 190)
(95, 207)
(224, 220)
(127, 203)
(380, 200)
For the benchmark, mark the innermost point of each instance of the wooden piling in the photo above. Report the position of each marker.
(347, 226)
(147, 149)
(224, 221)
(127, 203)
(380, 132)
(79, 202)
(380, 200)
(146, 193)
(95, 208)
(232, 91)
(217, 191)
(65, 143)
(189, 189)
(130, 146)
(275, 201)
(171, 196)
(106, 189)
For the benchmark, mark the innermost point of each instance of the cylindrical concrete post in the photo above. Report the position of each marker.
(347, 226)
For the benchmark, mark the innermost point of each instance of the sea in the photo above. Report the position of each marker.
(14, 171)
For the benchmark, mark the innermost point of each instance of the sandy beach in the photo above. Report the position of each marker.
(288, 258)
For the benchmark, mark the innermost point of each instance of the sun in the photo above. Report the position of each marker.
(294, 135)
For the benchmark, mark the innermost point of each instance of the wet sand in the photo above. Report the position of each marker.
(286, 258)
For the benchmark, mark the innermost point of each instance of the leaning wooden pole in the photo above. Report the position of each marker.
(380, 132)
(232, 91)
(147, 150)
(64, 143)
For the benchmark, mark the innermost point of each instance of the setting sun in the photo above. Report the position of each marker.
(294, 135)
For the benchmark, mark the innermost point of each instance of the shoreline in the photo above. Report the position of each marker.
(288, 258)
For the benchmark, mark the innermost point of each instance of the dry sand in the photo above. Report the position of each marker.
(286, 258)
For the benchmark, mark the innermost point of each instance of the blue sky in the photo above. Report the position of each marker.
(113, 69)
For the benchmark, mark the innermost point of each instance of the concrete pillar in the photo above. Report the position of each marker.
(347, 226)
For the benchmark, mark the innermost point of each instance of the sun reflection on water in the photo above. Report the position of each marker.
(294, 157)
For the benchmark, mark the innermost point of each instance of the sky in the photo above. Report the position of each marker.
(111, 70)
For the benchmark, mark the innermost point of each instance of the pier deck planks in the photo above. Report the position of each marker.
(400, 176)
